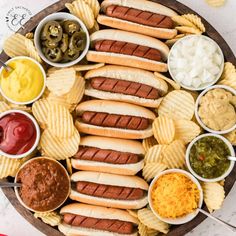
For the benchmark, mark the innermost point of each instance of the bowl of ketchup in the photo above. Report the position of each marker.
(19, 134)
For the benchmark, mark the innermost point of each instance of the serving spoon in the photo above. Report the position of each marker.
(7, 67)
(225, 224)
(9, 185)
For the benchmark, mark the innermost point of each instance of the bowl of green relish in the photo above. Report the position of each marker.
(206, 157)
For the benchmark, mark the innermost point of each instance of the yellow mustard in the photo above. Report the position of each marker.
(24, 83)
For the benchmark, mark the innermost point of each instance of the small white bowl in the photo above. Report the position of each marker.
(231, 166)
(37, 134)
(183, 219)
(227, 88)
(201, 87)
(44, 79)
(17, 188)
(60, 16)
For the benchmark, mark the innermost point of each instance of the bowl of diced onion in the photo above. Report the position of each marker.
(196, 62)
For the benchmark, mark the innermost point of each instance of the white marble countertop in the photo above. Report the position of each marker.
(223, 19)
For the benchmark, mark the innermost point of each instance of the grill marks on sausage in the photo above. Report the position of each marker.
(121, 47)
(116, 121)
(108, 191)
(106, 156)
(111, 225)
(139, 16)
(124, 87)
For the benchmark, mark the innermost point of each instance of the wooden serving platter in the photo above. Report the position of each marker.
(181, 9)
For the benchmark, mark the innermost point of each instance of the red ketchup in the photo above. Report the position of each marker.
(17, 133)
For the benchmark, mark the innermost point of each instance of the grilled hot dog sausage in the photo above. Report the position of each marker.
(117, 121)
(105, 155)
(108, 191)
(116, 226)
(124, 87)
(128, 49)
(139, 16)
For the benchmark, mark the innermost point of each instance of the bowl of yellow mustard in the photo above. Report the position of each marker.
(25, 83)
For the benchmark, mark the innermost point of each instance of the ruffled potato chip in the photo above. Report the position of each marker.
(153, 155)
(50, 218)
(145, 231)
(150, 170)
(148, 143)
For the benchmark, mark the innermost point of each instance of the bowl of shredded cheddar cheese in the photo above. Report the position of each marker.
(175, 196)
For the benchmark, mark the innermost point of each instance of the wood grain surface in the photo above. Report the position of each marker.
(181, 9)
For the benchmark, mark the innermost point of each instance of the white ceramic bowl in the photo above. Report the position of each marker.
(37, 134)
(171, 69)
(44, 78)
(60, 16)
(227, 88)
(180, 220)
(231, 166)
(17, 189)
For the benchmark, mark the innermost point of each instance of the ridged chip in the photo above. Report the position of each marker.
(163, 129)
(153, 155)
(95, 28)
(88, 67)
(19, 45)
(83, 11)
(76, 93)
(150, 170)
(180, 20)
(59, 149)
(186, 130)
(196, 21)
(20, 107)
(69, 166)
(168, 80)
(61, 100)
(177, 104)
(188, 30)
(150, 220)
(145, 231)
(4, 106)
(148, 143)
(231, 136)
(229, 69)
(50, 218)
(60, 81)
(94, 5)
(29, 35)
(133, 213)
(174, 155)
(214, 195)
(10, 166)
(40, 111)
(215, 3)
(60, 121)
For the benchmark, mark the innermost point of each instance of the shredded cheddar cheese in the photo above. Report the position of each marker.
(175, 195)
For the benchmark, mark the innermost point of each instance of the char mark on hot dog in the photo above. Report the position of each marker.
(138, 16)
(116, 121)
(111, 225)
(125, 48)
(106, 156)
(108, 191)
(124, 87)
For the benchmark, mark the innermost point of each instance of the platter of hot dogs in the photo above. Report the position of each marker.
(117, 118)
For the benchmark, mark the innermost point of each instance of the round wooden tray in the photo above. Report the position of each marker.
(181, 9)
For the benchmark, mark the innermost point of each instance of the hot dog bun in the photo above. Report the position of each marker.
(114, 144)
(112, 107)
(94, 212)
(143, 5)
(112, 180)
(128, 60)
(128, 74)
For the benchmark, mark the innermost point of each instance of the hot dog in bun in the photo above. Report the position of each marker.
(128, 49)
(109, 155)
(87, 220)
(120, 83)
(103, 189)
(140, 16)
(114, 119)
